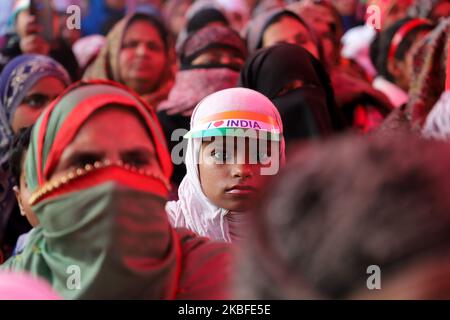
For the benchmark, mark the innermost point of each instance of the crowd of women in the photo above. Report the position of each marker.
(220, 149)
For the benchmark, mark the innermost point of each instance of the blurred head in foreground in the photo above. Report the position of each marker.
(353, 219)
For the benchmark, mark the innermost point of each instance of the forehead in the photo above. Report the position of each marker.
(142, 28)
(286, 20)
(101, 133)
(48, 84)
(109, 117)
(286, 26)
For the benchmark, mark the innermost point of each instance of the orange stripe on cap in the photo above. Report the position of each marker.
(245, 115)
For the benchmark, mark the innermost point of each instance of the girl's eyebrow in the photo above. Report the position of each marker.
(138, 152)
(84, 154)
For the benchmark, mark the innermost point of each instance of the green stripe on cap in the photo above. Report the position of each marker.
(234, 132)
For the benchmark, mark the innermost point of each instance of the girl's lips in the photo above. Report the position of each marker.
(241, 190)
(141, 65)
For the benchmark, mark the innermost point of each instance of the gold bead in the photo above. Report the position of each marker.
(88, 167)
(64, 180)
(97, 164)
(71, 175)
(80, 172)
(107, 162)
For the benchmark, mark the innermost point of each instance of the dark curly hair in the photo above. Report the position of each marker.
(18, 149)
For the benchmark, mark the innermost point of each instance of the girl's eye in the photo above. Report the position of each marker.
(131, 44)
(220, 156)
(81, 160)
(296, 84)
(153, 46)
(137, 162)
(301, 39)
(263, 156)
(36, 100)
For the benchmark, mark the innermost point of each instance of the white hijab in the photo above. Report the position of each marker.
(437, 124)
(194, 210)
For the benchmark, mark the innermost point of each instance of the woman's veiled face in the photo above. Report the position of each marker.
(101, 138)
(142, 57)
(36, 99)
(289, 30)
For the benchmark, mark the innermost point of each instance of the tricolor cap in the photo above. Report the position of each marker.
(236, 112)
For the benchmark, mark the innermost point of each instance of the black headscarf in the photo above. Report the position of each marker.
(203, 17)
(308, 111)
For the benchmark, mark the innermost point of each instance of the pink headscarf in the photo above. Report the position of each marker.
(20, 286)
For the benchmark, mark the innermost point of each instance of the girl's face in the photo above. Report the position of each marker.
(292, 31)
(142, 58)
(37, 98)
(26, 23)
(230, 170)
(101, 138)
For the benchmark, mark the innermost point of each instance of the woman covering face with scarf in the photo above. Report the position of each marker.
(27, 84)
(210, 61)
(138, 54)
(235, 143)
(101, 204)
(299, 87)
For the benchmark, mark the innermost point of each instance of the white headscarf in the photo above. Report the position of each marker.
(437, 124)
(194, 210)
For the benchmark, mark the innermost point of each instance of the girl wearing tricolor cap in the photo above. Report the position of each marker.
(235, 143)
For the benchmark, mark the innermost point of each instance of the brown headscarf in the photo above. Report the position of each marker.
(428, 81)
(428, 74)
(106, 65)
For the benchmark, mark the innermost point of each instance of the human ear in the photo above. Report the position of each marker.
(19, 200)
